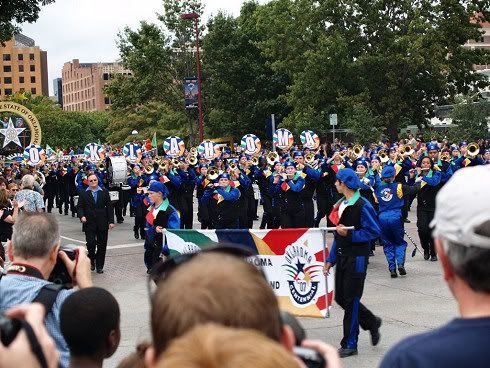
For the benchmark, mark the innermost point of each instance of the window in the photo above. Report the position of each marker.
(7, 80)
(21, 68)
(7, 68)
(6, 57)
(21, 79)
(8, 91)
(33, 91)
(107, 101)
(33, 79)
(20, 57)
(31, 56)
(32, 68)
(105, 76)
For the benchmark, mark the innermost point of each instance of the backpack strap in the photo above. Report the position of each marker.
(47, 296)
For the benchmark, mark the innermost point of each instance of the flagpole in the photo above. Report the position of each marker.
(156, 143)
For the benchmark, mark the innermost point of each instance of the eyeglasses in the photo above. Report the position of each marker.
(14, 190)
(162, 269)
(93, 180)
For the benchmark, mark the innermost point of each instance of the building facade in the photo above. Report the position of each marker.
(58, 91)
(83, 85)
(23, 67)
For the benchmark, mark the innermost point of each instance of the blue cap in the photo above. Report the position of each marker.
(146, 155)
(203, 166)
(242, 155)
(289, 163)
(362, 162)
(349, 178)
(91, 167)
(463, 143)
(224, 176)
(157, 186)
(298, 154)
(388, 172)
(432, 146)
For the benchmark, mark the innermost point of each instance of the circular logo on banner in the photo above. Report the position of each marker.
(283, 138)
(303, 274)
(34, 155)
(174, 146)
(250, 144)
(386, 195)
(94, 152)
(209, 150)
(309, 139)
(132, 152)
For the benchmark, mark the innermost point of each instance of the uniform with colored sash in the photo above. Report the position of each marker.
(290, 201)
(223, 206)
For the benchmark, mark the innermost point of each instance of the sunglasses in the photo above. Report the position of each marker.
(93, 180)
(14, 190)
(163, 268)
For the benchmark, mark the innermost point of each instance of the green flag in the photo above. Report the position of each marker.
(154, 140)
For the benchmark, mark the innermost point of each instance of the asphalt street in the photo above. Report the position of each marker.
(408, 305)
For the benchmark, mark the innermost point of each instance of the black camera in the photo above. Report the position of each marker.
(9, 328)
(60, 274)
(310, 357)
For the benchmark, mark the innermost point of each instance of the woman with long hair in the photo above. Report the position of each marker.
(8, 214)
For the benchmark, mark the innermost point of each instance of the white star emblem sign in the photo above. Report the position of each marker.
(11, 134)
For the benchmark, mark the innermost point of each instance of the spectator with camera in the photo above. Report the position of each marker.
(220, 287)
(34, 252)
(462, 240)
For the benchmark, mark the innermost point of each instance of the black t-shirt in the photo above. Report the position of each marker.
(5, 227)
(461, 343)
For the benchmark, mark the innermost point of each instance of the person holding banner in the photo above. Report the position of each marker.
(289, 186)
(350, 253)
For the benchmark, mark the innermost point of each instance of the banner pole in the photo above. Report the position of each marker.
(324, 232)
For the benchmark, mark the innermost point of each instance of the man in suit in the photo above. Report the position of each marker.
(97, 216)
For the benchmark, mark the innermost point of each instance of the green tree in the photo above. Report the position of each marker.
(14, 12)
(471, 119)
(241, 89)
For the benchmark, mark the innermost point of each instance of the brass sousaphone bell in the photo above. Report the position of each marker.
(473, 149)
(213, 173)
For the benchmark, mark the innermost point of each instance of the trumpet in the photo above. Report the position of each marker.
(233, 166)
(163, 168)
(149, 169)
(473, 149)
(383, 156)
(406, 150)
(357, 151)
(213, 173)
(445, 156)
(191, 160)
(272, 157)
(193, 151)
(101, 166)
(310, 158)
(175, 161)
(255, 161)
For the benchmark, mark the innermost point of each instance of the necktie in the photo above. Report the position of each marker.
(94, 193)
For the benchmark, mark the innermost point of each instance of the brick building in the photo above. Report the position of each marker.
(83, 85)
(23, 67)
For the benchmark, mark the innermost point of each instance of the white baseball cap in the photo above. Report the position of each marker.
(462, 205)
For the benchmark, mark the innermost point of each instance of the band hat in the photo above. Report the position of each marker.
(462, 205)
(349, 178)
(463, 143)
(388, 172)
(157, 186)
(432, 146)
(224, 176)
(298, 154)
(362, 162)
(289, 164)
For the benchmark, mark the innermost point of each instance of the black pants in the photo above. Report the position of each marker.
(139, 226)
(350, 274)
(64, 199)
(97, 245)
(251, 211)
(424, 217)
(186, 212)
(243, 214)
(118, 210)
(309, 220)
(293, 219)
(49, 196)
(226, 223)
(267, 217)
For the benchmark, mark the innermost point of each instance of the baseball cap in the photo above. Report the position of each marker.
(462, 205)
(388, 172)
(157, 186)
(349, 178)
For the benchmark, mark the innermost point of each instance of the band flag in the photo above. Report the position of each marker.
(292, 260)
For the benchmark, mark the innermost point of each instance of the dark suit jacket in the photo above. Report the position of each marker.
(99, 215)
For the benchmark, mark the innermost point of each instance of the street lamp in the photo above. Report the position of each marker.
(134, 132)
(195, 16)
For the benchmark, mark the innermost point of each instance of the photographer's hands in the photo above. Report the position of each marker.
(79, 269)
(19, 352)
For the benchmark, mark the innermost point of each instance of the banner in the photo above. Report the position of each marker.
(292, 260)
(191, 92)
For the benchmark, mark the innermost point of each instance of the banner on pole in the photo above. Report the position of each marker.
(292, 260)
(191, 92)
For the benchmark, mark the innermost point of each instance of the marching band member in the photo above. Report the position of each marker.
(161, 215)
(289, 186)
(278, 170)
(430, 183)
(136, 182)
(63, 187)
(202, 182)
(185, 193)
(486, 156)
(311, 177)
(50, 187)
(443, 166)
(261, 176)
(222, 199)
(246, 190)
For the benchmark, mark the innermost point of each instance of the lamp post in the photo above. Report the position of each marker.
(195, 16)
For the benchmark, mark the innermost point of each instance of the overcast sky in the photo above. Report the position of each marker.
(87, 29)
